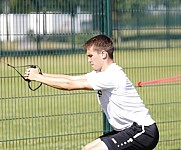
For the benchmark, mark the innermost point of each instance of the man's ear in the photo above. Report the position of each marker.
(104, 54)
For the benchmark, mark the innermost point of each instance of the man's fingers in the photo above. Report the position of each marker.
(27, 73)
(31, 73)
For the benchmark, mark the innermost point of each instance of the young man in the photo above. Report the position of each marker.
(134, 129)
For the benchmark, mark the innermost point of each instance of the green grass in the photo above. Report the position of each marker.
(54, 119)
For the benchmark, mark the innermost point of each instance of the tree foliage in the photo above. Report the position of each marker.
(27, 6)
(70, 6)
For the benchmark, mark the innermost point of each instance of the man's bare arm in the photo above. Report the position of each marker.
(63, 82)
(65, 76)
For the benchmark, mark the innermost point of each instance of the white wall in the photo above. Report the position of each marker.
(17, 26)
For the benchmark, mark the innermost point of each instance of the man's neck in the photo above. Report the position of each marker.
(107, 64)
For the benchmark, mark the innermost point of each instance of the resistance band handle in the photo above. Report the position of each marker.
(34, 66)
(34, 88)
(31, 66)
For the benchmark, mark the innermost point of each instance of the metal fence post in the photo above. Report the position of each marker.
(107, 29)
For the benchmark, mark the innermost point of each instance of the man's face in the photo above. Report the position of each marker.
(95, 59)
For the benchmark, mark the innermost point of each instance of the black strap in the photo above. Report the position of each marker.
(29, 81)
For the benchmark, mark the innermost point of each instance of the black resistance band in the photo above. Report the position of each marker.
(31, 66)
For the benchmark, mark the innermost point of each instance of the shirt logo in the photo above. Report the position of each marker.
(99, 92)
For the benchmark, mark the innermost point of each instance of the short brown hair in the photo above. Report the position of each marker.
(101, 42)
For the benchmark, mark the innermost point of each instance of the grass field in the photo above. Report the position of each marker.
(53, 119)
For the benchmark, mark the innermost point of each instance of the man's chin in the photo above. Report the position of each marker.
(96, 70)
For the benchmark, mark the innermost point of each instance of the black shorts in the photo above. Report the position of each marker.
(134, 138)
